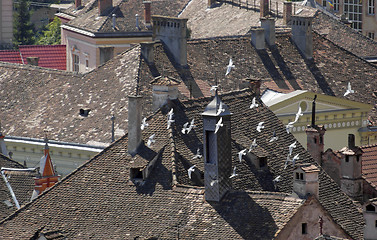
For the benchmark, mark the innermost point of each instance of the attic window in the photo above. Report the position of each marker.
(84, 112)
(370, 208)
(297, 175)
(304, 228)
(136, 174)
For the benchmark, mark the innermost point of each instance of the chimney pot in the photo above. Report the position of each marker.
(257, 38)
(147, 12)
(255, 86)
(268, 24)
(32, 60)
(287, 12)
(264, 8)
(134, 123)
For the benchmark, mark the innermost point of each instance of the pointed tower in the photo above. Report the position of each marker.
(47, 177)
(217, 149)
(315, 140)
(3, 148)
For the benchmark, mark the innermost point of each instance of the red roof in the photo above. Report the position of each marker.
(369, 163)
(12, 56)
(50, 56)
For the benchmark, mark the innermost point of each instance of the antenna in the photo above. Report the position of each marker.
(112, 129)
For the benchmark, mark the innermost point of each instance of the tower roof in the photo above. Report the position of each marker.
(213, 108)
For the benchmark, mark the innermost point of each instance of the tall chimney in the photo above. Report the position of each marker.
(103, 6)
(147, 12)
(257, 38)
(268, 24)
(264, 9)
(173, 33)
(351, 141)
(134, 123)
(302, 35)
(32, 60)
(287, 12)
(77, 3)
(147, 51)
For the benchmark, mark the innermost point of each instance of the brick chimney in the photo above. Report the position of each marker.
(173, 33)
(103, 6)
(32, 61)
(287, 12)
(268, 24)
(305, 180)
(77, 3)
(134, 123)
(164, 89)
(264, 8)
(147, 12)
(257, 38)
(302, 35)
(217, 150)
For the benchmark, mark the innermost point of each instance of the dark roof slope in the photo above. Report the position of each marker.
(100, 190)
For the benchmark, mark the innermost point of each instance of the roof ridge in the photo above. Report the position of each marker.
(11, 160)
(38, 68)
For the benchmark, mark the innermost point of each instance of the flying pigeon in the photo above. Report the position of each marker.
(144, 124)
(190, 170)
(191, 126)
(277, 179)
(241, 153)
(295, 158)
(171, 113)
(253, 103)
(234, 174)
(185, 128)
(260, 126)
(253, 145)
(198, 155)
(214, 88)
(219, 124)
(291, 147)
(298, 114)
(220, 110)
(170, 121)
(289, 127)
(229, 67)
(274, 137)
(286, 161)
(349, 90)
(151, 140)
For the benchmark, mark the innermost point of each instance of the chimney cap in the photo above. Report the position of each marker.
(308, 167)
(213, 107)
(165, 81)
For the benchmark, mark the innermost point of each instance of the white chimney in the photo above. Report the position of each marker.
(268, 24)
(257, 38)
(305, 180)
(302, 35)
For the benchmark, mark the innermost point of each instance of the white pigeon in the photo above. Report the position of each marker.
(291, 147)
(170, 121)
(298, 114)
(349, 90)
(274, 137)
(151, 140)
(213, 182)
(198, 155)
(260, 126)
(253, 145)
(220, 110)
(234, 174)
(191, 126)
(277, 179)
(171, 113)
(295, 158)
(229, 67)
(190, 170)
(241, 153)
(253, 103)
(144, 124)
(185, 128)
(214, 88)
(289, 127)
(287, 161)
(219, 124)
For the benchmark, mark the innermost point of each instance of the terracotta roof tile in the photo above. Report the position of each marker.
(12, 56)
(50, 56)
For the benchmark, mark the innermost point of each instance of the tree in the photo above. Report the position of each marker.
(51, 36)
(23, 32)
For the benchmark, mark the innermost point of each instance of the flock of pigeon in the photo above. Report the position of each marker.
(187, 127)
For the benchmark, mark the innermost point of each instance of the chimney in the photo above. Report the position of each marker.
(264, 9)
(77, 3)
(3, 147)
(134, 123)
(173, 33)
(103, 6)
(114, 20)
(210, 3)
(287, 12)
(257, 38)
(255, 84)
(351, 141)
(217, 150)
(32, 60)
(147, 52)
(147, 12)
(305, 180)
(164, 89)
(302, 35)
(47, 177)
(268, 24)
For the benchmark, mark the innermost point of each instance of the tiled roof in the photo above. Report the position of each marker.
(369, 163)
(114, 207)
(12, 56)
(22, 184)
(125, 12)
(50, 56)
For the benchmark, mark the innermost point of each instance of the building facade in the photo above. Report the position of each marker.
(6, 23)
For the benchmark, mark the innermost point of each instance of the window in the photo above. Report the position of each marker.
(297, 175)
(315, 140)
(353, 10)
(211, 147)
(335, 116)
(371, 35)
(75, 62)
(357, 158)
(347, 158)
(324, 3)
(370, 208)
(336, 5)
(301, 176)
(371, 7)
(304, 228)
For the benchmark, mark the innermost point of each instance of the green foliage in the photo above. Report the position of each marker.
(23, 32)
(51, 36)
